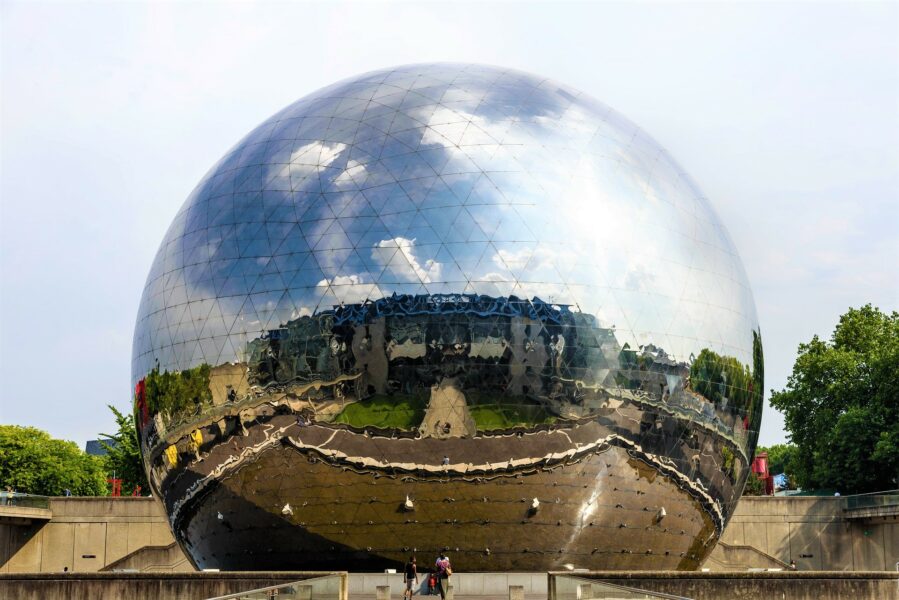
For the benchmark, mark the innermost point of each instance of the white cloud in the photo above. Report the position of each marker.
(398, 257)
(447, 126)
(310, 159)
(354, 173)
(350, 289)
(531, 259)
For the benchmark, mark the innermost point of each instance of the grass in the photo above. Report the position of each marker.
(385, 412)
(407, 412)
(490, 415)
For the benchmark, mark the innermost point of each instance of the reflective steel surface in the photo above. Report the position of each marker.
(447, 306)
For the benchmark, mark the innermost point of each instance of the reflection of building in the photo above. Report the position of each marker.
(509, 350)
(394, 290)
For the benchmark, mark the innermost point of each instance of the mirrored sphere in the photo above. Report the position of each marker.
(447, 307)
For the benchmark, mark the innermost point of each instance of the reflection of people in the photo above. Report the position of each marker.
(792, 565)
(411, 576)
(444, 570)
(558, 350)
(365, 343)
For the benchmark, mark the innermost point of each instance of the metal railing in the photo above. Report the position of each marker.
(570, 587)
(24, 500)
(873, 500)
(328, 587)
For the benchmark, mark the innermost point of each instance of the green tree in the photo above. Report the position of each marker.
(178, 394)
(33, 462)
(780, 458)
(841, 405)
(717, 377)
(754, 486)
(123, 453)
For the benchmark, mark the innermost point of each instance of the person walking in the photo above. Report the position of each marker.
(444, 570)
(411, 577)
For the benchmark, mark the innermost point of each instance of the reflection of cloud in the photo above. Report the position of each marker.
(532, 259)
(640, 278)
(398, 257)
(354, 171)
(454, 128)
(535, 272)
(303, 311)
(350, 289)
(311, 159)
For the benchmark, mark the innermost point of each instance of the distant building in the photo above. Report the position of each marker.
(95, 448)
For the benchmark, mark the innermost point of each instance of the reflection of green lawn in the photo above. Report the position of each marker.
(386, 412)
(490, 417)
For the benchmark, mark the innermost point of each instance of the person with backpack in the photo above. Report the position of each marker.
(411, 577)
(444, 570)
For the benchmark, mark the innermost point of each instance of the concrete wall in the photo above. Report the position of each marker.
(812, 531)
(88, 534)
(160, 586)
(563, 586)
(464, 584)
(822, 585)
(85, 535)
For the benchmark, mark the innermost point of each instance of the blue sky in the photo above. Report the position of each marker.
(787, 116)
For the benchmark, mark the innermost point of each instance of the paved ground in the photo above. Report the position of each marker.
(457, 597)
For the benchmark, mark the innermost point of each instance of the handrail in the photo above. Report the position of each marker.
(574, 577)
(238, 595)
(754, 549)
(24, 500)
(883, 492)
(872, 500)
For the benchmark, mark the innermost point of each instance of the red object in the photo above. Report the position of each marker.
(760, 464)
(760, 470)
(116, 483)
(136, 491)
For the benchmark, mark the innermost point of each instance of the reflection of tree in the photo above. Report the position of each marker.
(718, 377)
(179, 393)
(754, 410)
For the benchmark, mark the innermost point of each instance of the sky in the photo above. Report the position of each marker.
(786, 114)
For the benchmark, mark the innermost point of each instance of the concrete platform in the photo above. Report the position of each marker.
(826, 585)
(479, 585)
(158, 586)
(785, 585)
(23, 515)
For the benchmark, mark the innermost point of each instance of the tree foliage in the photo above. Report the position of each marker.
(718, 377)
(33, 462)
(841, 405)
(754, 486)
(123, 453)
(780, 458)
(178, 394)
